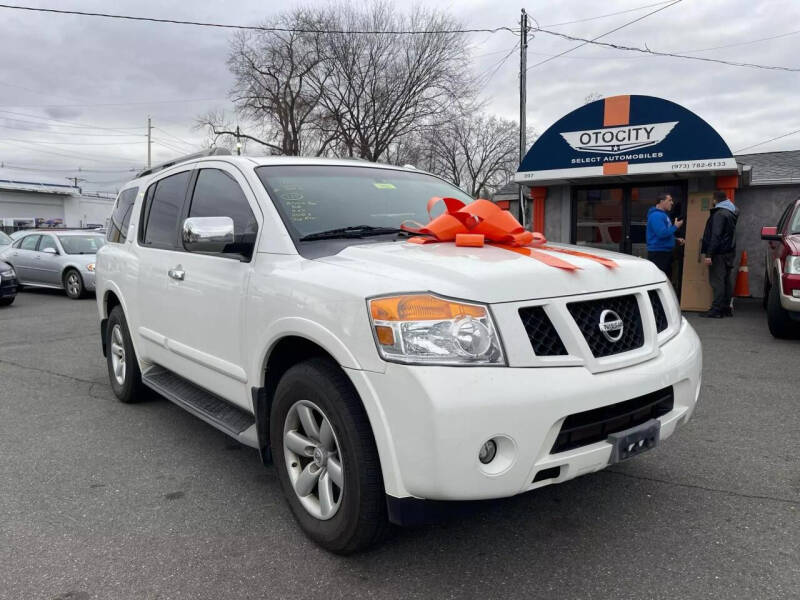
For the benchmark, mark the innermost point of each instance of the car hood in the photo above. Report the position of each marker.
(794, 242)
(490, 274)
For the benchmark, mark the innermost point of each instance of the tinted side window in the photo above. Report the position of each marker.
(121, 217)
(216, 194)
(164, 209)
(47, 242)
(784, 218)
(29, 242)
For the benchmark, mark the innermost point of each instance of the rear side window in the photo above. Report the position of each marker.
(29, 242)
(217, 194)
(121, 217)
(162, 210)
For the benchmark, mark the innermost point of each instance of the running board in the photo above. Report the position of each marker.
(215, 411)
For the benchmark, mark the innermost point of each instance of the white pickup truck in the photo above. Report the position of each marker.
(278, 300)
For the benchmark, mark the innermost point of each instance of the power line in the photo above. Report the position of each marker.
(646, 50)
(621, 12)
(72, 143)
(745, 43)
(496, 66)
(96, 104)
(252, 27)
(172, 135)
(71, 155)
(50, 132)
(593, 40)
(69, 123)
(44, 169)
(768, 141)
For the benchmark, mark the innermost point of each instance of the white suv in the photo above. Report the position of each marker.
(277, 300)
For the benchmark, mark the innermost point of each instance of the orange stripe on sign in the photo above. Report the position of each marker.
(615, 168)
(617, 111)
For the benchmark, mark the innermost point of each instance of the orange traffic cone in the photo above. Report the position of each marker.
(742, 289)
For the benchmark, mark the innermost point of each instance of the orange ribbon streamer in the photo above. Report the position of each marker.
(470, 225)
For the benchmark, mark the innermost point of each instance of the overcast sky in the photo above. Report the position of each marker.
(76, 91)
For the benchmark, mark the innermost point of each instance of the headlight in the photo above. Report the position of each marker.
(8, 273)
(426, 329)
(792, 265)
(90, 267)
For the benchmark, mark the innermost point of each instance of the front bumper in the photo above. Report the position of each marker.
(434, 420)
(790, 283)
(88, 280)
(8, 287)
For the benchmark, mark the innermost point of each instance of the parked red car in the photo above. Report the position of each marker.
(782, 276)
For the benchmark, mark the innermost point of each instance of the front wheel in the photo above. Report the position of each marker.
(123, 368)
(73, 284)
(780, 323)
(326, 458)
(7, 301)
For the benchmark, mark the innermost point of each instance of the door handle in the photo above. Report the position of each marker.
(177, 273)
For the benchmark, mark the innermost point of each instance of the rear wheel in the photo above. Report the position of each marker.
(780, 323)
(7, 301)
(123, 368)
(326, 458)
(73, 284)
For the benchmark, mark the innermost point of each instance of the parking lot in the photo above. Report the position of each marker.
(104, 500)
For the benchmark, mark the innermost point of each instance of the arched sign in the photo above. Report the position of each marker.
(625, 135)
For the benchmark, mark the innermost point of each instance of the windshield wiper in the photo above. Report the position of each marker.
(356, 231)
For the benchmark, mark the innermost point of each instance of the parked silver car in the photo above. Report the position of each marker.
(57, 259)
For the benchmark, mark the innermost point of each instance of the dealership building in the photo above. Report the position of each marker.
(26, 203)
(594, 174)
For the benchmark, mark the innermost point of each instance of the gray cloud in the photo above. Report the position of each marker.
(113, 74)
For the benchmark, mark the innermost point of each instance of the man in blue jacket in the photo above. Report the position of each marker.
(661, 234)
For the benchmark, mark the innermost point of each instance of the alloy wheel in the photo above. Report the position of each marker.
(74, 284)
(118, 355)
(313, 459)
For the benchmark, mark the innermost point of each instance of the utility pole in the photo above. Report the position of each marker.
(523, 65)
(149, 139)
(75, 181)
(238, 143)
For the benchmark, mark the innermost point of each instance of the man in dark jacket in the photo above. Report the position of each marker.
(719, 247)
(661, 234)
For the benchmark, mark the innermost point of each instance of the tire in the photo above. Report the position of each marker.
(127, 382)
(780, 324)
(7, 301)
(354, 518)
(73, 284)
(765, 299)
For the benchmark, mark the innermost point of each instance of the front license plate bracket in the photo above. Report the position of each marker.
(630, 442)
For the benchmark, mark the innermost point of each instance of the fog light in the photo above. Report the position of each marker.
(488, 452)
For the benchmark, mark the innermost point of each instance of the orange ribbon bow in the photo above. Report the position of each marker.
(472, 224)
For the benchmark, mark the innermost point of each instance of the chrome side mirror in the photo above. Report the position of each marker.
(207, 234)
(50, 251)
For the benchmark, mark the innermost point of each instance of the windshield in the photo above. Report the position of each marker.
(4, 239)
(795, 227)
(81, 244)
(315, 198)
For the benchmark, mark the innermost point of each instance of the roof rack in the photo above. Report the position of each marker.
(175, 161)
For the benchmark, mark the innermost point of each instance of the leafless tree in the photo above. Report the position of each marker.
(319, 90)
(384, 87)
(477, 152)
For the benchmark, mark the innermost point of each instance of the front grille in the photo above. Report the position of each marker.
(588, 427)
(541, 333)
(587, 316)
(658, 311)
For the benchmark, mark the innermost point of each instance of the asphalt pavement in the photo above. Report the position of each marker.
(101, 500)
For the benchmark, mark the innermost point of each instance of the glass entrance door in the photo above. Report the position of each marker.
(615, 218)
(599, 218)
